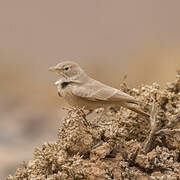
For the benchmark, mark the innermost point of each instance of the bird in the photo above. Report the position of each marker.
(80, 90)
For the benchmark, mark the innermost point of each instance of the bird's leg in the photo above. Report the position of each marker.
(114, 109)
(100, 120)
(102, 113)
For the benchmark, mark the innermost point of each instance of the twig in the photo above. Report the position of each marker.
(124, 79)
(134, 156)
(154, 128)
(174, 121)
(171, 124)
(166, 131)
(157, 131)
(81, 113)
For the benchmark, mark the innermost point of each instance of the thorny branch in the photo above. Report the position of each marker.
(157, 131)
(154, 129)
(170, 125)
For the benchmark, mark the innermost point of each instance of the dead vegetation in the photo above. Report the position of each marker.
(120, 145)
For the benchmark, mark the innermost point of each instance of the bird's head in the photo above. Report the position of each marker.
(68, 69)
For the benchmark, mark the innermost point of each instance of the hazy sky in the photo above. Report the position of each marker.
(73, 28)
(41, 32)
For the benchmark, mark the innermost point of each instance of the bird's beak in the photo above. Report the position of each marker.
(54, 69)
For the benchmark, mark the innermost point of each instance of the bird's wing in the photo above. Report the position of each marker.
(96, 91)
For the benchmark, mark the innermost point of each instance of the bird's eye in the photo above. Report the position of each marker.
(66, 68)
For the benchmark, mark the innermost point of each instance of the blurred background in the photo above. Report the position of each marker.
(109, 39)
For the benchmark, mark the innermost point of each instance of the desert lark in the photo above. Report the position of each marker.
(80, 90)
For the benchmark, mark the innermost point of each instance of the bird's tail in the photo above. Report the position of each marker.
(135, 109)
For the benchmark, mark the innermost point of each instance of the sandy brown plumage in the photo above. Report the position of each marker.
(80, 90)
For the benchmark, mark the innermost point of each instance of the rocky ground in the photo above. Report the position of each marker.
(120, 145)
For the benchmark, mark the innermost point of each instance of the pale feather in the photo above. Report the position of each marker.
(94, 90)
